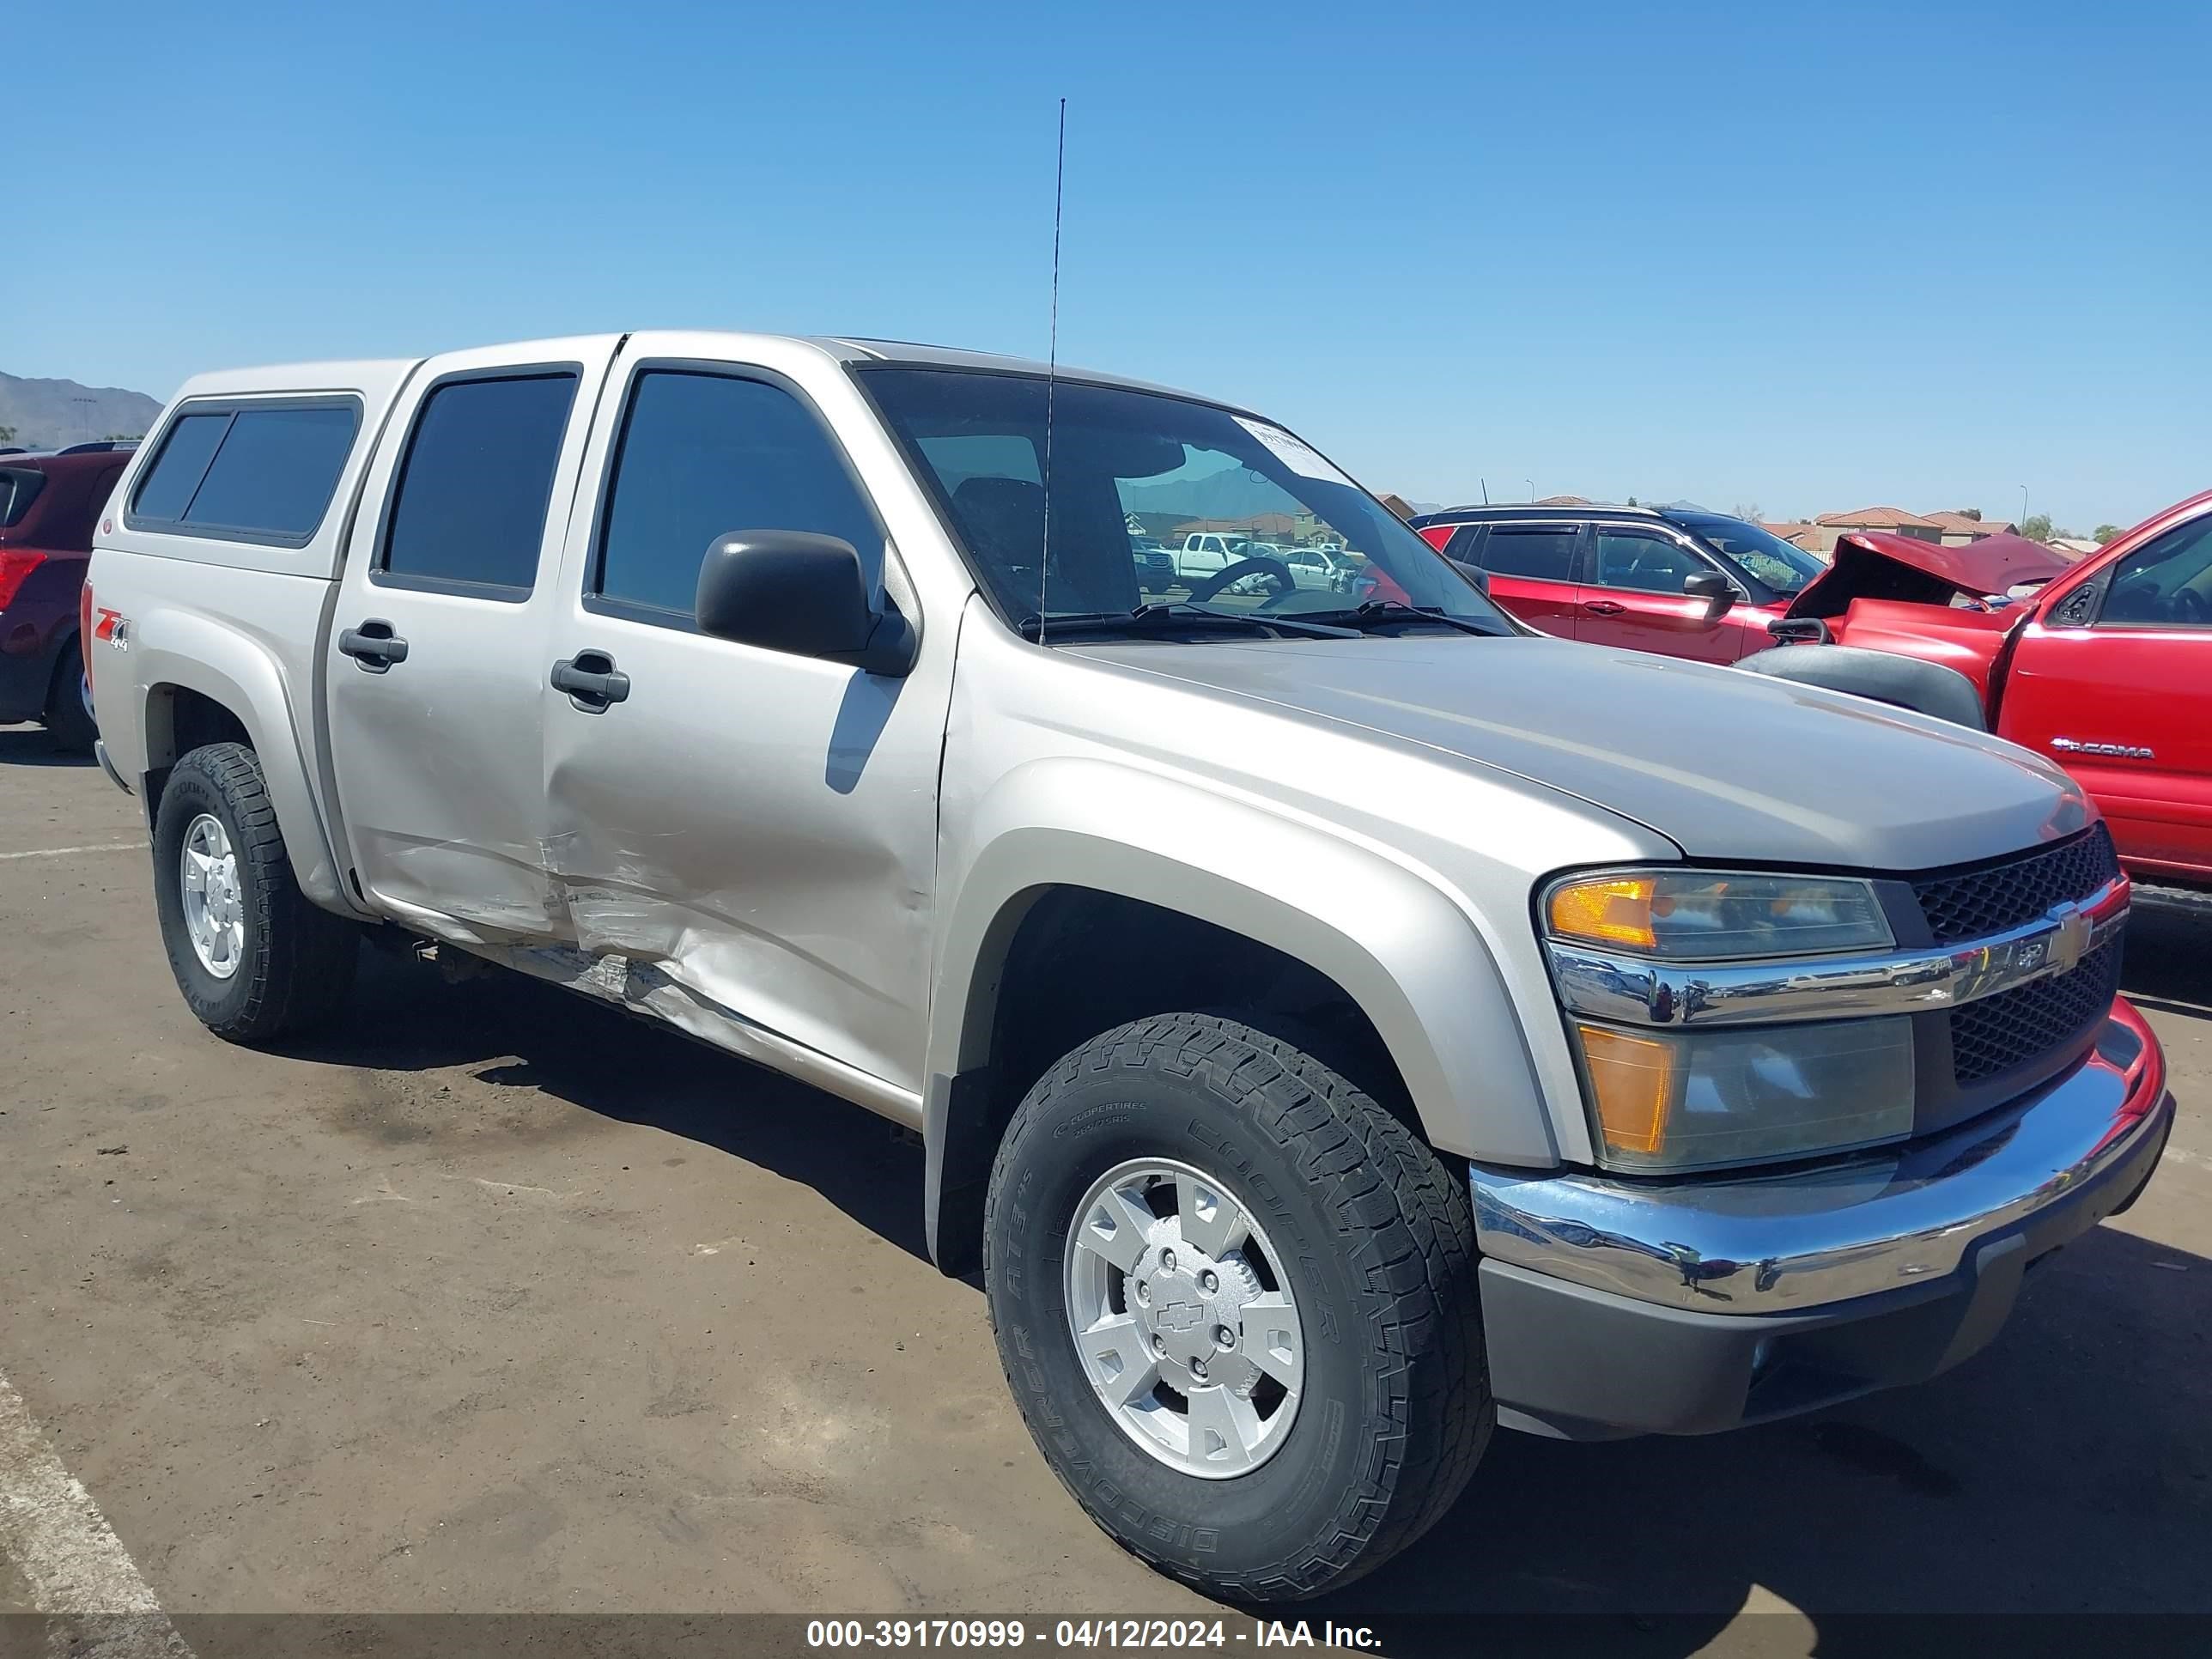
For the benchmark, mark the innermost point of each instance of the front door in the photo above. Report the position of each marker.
(758, 828)
(1531, 572)
(2113, 681)
(1634, 599)
(443, 609)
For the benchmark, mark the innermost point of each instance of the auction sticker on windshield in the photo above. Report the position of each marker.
(1293, 453)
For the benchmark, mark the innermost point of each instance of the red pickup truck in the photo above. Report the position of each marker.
(2105, 666)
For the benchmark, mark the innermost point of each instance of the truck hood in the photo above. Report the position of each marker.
(1872, 564)
(1725, 764)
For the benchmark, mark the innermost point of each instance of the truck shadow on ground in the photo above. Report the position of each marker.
(2066, 1470)
(515, 1032)
(29, 745)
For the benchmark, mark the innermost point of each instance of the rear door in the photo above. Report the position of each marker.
(1532, 571)
(2112, 679)
(1632, 596)
(434, 667)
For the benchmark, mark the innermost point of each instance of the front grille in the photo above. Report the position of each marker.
(2012, 1027)
(1974, 903)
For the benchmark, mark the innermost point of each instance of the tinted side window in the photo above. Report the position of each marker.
(166, 489)
(469, 508)
(1643, 563)
(1465, 544)
(19, 487)
(2166, 583)
(705, 454)
(1542, 552)
(275, 471)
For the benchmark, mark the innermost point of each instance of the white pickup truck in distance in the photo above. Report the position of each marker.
(1336, 1028)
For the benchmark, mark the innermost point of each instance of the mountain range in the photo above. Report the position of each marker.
(48, 414)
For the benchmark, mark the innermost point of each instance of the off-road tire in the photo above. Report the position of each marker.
(70, 727)
(1380, 1240)
(298, 960)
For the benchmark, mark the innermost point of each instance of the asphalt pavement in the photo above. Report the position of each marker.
(494, 1301)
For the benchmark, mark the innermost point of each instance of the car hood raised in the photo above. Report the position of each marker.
(1725, 764)
(1872, 564)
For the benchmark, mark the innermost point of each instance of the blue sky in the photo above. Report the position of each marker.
(1808, 257)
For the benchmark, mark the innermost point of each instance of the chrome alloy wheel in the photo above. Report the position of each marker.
(1183, 1319)
(214, 903)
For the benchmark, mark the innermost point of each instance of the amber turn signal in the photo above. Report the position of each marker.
(1632, 1081)
(1611, 910)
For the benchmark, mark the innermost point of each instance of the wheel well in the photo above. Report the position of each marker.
(1081, 962)
(180, 720)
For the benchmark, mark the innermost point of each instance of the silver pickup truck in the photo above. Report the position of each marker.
(1337, 1025)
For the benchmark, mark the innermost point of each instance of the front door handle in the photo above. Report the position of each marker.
(374, 646)
(591, 680)
(1603, 607)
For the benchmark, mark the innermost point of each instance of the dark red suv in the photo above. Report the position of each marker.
(48, 507)
(1681, 582)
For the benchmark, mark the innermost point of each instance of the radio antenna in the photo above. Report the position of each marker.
(1051, 370)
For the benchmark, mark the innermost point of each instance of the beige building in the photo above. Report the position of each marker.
(1831, 527)
(1959, 528)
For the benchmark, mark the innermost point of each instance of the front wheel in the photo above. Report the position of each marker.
(1236, 1301)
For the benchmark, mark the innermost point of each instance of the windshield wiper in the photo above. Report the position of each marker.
(1381, 613)
(1167, 615)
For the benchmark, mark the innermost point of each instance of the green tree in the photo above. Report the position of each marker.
(1632, 501)
(1750, 512)
(2105, 532)
(125, 438)
(7, 434)
(2036, 526)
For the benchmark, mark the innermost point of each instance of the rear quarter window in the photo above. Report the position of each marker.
(19, 487)
(259, 472)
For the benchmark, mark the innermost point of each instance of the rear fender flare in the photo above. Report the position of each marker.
(195, 653)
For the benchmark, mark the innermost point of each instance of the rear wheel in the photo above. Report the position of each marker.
(1235, 1300)
(67, 714)
(254, 959)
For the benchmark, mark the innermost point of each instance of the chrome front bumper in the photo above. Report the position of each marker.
(1793, 1242)
(1614, 1307)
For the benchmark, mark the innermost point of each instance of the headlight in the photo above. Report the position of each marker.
(1694, 1100)
(1694, 916)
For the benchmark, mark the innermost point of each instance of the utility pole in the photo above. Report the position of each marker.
(1531, 483)
(2023, 508)
(84, 416)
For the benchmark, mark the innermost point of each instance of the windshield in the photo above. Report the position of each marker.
(1783, 567)
(1237, 501)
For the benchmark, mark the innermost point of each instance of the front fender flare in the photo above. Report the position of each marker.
(1387, 933)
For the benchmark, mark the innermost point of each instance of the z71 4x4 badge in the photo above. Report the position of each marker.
(2111, 750)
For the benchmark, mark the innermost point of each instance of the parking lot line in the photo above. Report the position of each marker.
(64, 852)
(57, 1539)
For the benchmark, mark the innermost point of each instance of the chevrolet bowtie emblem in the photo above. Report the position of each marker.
(2070, 939)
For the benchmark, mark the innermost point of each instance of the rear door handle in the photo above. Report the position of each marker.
(374, 646)
(1603, 607)
(591, 680)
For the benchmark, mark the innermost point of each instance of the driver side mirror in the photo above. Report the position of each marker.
(1716, 590)
(794, 592)
(1473, 573)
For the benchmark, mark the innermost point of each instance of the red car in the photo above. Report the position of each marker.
(48, 504)
(2105, 666)
(1679, 581)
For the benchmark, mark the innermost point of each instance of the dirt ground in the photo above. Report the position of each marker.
(496, 1302)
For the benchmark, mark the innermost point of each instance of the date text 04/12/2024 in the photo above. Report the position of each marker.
(1084, 1633)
